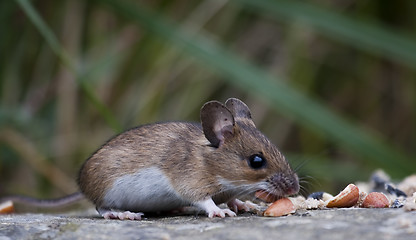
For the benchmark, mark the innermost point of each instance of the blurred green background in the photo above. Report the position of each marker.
(331, 83)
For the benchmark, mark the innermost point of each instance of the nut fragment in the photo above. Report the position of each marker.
(320, 196)
(375, 200)
(410, 204)
(280, 208)
(6, 207)
(346, 198)
(265, 196)
(408, 185)
(311, 203)
(361, 198)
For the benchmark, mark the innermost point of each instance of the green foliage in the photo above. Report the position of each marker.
(333, 90)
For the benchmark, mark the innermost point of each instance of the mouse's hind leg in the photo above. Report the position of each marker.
(122, 215)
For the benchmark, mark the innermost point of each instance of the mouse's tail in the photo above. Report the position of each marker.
(46, 203)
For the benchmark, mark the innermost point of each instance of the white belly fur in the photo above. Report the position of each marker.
(147, 190)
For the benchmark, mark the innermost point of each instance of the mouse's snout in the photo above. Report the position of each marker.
(285, 184)
(294, 188)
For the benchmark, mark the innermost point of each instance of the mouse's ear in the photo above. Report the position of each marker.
(239, 110)
(217, 122)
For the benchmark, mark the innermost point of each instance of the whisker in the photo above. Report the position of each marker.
(244, 189)
(307, 177)
(313, 181)
(240, 187)
(301, 165)
(303, 191)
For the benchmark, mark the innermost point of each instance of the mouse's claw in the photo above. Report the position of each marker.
(127, 215)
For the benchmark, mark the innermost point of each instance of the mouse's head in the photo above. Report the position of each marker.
(241, 156)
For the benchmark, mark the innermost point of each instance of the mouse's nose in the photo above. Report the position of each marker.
(294, 188)
(289, 185)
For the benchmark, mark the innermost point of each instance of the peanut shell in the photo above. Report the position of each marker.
(279, 208)
(375, 200)
(346, 198)
(6, 207)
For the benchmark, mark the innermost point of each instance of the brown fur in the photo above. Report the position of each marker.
(181, 150)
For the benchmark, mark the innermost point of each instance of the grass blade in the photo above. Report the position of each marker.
(362, 35)
(56, 47)
(282, 97)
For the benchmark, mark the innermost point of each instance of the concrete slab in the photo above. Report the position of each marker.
(331, 224)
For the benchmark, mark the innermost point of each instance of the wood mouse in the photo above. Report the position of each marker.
(167, 166)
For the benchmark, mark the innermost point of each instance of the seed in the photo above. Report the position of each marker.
(279, 208)
(375, 200)
(320, 196)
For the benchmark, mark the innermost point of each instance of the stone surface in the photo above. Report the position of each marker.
(331, 224)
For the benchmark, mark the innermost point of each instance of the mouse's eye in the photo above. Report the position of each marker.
(256, 161)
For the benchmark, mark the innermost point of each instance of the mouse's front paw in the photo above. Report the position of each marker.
(213, 210)
(238, 205)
